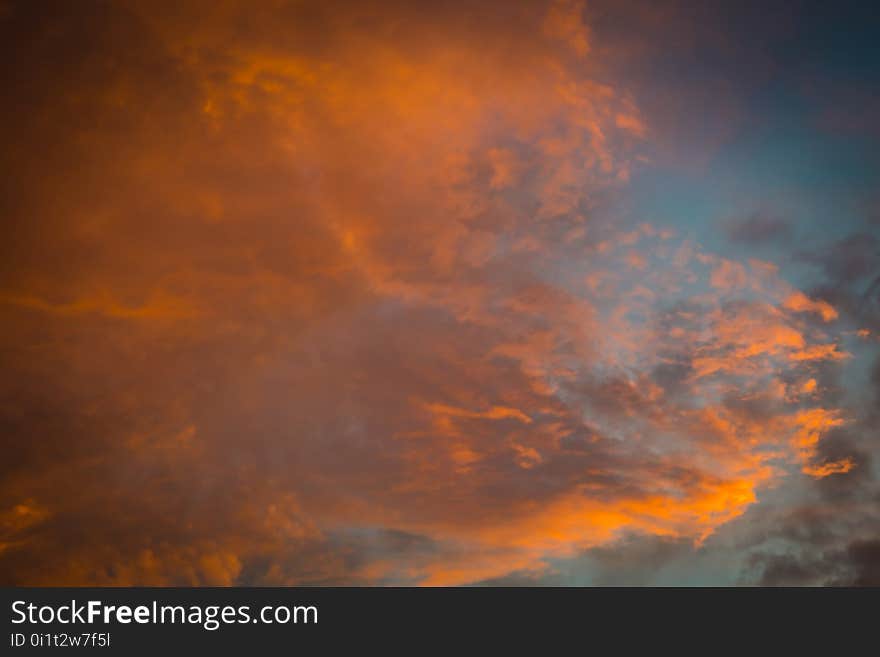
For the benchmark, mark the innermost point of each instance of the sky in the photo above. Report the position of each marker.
(449, 293)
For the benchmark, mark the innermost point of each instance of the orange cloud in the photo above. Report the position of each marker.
(827, 469)
(800, 302)
(322, 295)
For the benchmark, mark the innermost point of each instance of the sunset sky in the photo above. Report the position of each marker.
(440, 293)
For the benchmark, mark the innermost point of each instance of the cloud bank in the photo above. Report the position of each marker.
(332, 293)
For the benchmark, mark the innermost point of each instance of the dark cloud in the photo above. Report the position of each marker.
(858, 564)
(854, 444)
(865, 557)
(789, 570)
(758, 229)
(848, 261)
